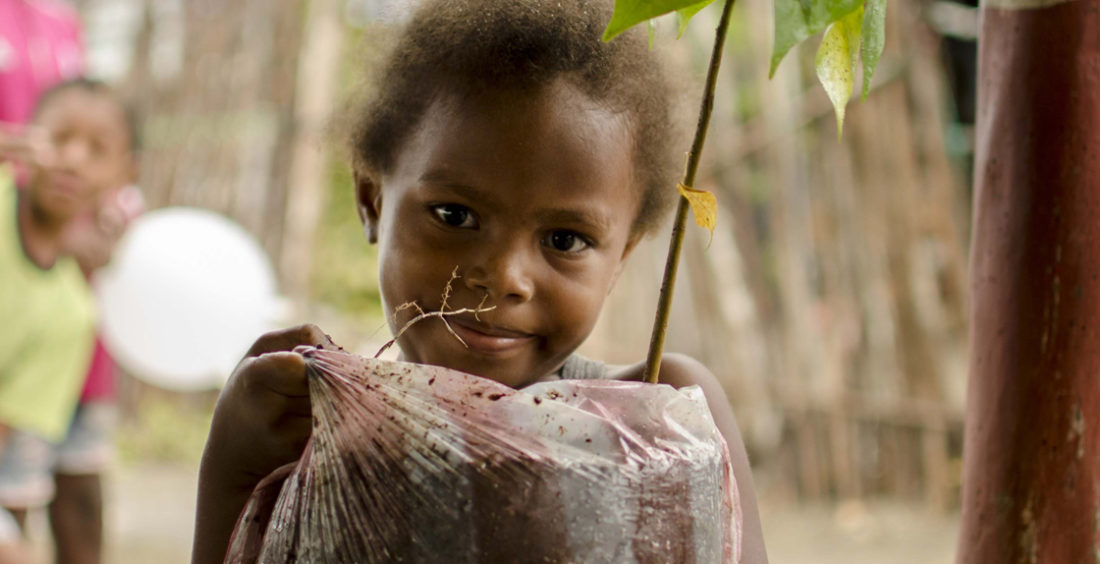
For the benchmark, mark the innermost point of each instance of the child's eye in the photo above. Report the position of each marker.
(566, 241)
(455, 215)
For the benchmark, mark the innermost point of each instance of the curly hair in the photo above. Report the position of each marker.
(472, 46)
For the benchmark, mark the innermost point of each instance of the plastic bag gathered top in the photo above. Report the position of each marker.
(415, 463)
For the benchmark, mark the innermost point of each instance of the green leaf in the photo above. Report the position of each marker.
(651, 30)
(629, 13)
(874, 39)
(684, 15)
(836, 61)
(796, 20)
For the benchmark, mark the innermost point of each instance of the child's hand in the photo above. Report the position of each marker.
(91, 238)
(26, 144)
(261, 422)
(262, 419)
(15, 143)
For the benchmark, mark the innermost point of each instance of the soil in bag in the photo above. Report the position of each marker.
(415, 463)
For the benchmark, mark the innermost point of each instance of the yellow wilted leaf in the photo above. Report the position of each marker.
(836, 61)
(704, 206)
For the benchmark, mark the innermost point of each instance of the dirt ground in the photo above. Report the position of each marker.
(149, 516)
(152, 507)
(858, 532)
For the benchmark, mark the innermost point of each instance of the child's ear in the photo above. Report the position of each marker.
(368, 202)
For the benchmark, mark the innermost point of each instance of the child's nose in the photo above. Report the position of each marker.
(503, 274)
(73, 153)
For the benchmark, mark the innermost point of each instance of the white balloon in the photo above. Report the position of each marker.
(185, 295)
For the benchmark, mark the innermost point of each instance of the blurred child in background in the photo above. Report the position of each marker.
(80, 154)
(40, 45)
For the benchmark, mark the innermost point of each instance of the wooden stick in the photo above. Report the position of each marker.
(664, 302)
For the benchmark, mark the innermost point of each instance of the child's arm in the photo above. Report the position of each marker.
(679, 371)
(261, 422)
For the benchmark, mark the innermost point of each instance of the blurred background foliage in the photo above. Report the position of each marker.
(348, 279)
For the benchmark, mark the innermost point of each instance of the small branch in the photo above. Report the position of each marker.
(442, 314)
(664, 302)
(480, 306)
(447, 289)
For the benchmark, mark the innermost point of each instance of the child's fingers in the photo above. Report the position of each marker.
(287, 339)
(282, 373)
(262, 419)
(275, 390)
(15, 148)
(27, 144)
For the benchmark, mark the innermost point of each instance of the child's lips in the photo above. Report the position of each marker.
(65, 184)
(489, 339)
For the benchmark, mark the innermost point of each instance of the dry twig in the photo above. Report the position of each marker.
(442, 314)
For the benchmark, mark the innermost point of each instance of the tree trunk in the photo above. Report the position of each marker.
(1031, 481)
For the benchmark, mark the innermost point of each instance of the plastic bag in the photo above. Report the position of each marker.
(415, 463)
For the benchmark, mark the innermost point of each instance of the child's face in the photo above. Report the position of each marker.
(91, 152)
(531, 197)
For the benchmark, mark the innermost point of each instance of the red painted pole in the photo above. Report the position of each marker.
(1031, 479)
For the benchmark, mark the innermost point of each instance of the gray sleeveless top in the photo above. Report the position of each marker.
(577, 367)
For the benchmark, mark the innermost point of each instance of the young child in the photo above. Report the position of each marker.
(86, 153)
(505, 139)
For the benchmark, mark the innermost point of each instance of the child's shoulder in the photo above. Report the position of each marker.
(677, 370)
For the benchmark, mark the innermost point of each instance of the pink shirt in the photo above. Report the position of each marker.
(40, 45)
(99, 385)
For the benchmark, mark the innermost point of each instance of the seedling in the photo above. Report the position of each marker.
(854, 33)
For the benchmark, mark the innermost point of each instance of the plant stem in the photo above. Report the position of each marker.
(664, 302)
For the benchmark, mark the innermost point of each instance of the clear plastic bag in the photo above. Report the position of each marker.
(414, 463)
